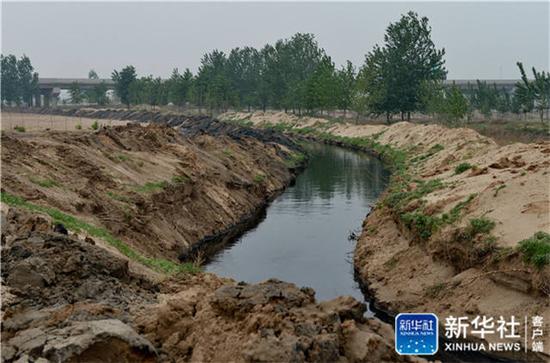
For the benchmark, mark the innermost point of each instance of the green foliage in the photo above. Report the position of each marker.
(77, 96)
(295, 160)
(462, 167)
(400, 195)
(480, 225)
(78, 126)
(454, 214)
(533, 93)
(19, 128)
(180, 179)
(123, 80)
(423, 225)
(46, 183)
(392, 75)
(498, 189)
(536, 250)
(18, 81)
(95, 125)
(259, 178)
(77, 225)
(152, 186)
(122, 157)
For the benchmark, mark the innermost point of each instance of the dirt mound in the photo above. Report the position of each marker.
(68, 300)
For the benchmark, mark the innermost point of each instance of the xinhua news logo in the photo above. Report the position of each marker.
(416, 334)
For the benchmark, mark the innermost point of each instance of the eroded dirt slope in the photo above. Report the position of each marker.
(161, 190)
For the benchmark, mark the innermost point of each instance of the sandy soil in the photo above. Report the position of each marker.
(444, 273)
(36, 122)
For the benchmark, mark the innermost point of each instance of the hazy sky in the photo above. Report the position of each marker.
(482, 40)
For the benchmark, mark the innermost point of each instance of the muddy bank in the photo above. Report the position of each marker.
(159, 189)
(447, 235)
(67, 299)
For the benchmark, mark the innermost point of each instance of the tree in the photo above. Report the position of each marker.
(345, 79)
(28, 79)
(179, 87)
(534, 93)
(10, 80)
(92, 74)
(393, 74)
(76, 93)
(123, 80)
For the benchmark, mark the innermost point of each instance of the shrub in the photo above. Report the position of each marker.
(259, 178)
(95, 125)
(480, 225)
(536, 250)
(462, 167)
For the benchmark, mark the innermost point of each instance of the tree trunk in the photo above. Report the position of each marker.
(409, 116)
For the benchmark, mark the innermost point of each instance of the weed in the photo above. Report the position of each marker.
(502, 186)
(295, 160)
(75, 224)
(536, 250)
(180, 179)
(259, 178)
(119, 197)
(480, 225)
(434, 290)
(151, 186)
(95, 125)
(122, 157)
(45, 183)
(78, 126)
(454, 214)
(462, 167)
(19, 128)
(422, 224)
(227, 152)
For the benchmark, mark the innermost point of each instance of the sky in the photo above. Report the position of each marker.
(62, 39)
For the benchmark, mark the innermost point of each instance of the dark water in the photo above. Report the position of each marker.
(304, 236)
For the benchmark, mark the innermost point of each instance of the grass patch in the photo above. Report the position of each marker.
(434, 290)
(78, 126)
(536, 250)
(259, 178)
(431, 152)
(295, 160)
(499, 188)
(95, 125)
(180, 179)
(19, 128)
(45, 183)
(122, 157)
(76, 225)
(423, 225)
(480, 225)
(152, 186)
(454, 214)
(119, 197)
(462, 167)
(227, 152)
(399, 196)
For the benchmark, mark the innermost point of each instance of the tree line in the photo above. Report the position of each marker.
(403, 75)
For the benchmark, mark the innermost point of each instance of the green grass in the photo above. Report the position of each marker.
(259, 178)
(480, 226)
(454, 214)
(19, 128)
(152, 186)
(78, 126)
(536, 250)
(119, 197)
(77, 225)
(296, 159)
(433, 150)
(399, 196)
(498, 189)
(180, 179)
(45, 183)
(462, 167)
(227, 152)
(95, 125)
(122, 157)
(423, 225)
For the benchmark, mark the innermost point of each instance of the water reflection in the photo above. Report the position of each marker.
(303, 238)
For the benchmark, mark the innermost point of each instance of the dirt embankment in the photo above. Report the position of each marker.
(159, 189)
(446, 237)
(69, 300)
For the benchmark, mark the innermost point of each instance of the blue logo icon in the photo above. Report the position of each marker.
(416, 334)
